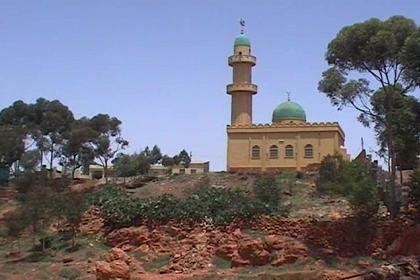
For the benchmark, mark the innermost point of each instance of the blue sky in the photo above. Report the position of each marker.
(161, 66)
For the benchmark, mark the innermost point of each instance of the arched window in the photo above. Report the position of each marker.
(274, 152)
(309, 151)
(255, 152)
(288, 151)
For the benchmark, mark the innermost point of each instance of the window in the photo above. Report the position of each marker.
(255, 153)
(182, 171)
(309, 151)
(193, 171)
(274, 152)
(289, 151)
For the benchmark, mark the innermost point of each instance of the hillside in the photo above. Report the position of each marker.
(315, 237)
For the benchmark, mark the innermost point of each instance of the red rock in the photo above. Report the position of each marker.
(226, 250)
(114, 270)
(237, 261)
(67, 259)
(407, 244)
(118, 254)
(274, 242)
(254, 252)
(284, 259)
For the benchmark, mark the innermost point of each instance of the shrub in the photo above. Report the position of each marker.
(330, 174)
(268, 190)
(213, 205)
(415, 188)
(351, 179)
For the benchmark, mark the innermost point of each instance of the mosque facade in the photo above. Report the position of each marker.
(289, 142)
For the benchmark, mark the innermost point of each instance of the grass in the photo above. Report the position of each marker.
(221, 263)
(158, 263)
(140, 256)
(69, 273)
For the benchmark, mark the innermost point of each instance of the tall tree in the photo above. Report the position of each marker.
(183, 158)
(76, 150)
(107, 141)
(125, 166)
(386, 52)
(53, 119)
(155, 155)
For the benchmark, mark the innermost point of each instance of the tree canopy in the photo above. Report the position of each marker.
(375, 65)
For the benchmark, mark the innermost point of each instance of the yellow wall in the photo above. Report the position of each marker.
(325, 139)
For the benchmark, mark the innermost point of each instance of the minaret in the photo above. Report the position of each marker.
(242, 88)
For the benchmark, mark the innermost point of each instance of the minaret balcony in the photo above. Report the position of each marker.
(241, 87)
(242, 59)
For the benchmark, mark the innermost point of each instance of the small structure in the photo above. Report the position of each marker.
(193, 168)
(159, 170)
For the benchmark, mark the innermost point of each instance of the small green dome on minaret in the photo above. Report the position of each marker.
(242, 40)
(289, 110)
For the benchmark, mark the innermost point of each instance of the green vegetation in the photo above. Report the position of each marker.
(69, 273)
(204, 204)
(268, 191)
(160, 262)
(386, 52)
(211, 205)
(351, 179)
(415, 188)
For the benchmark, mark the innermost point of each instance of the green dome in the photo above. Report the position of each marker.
(242, 40)
(289, 110)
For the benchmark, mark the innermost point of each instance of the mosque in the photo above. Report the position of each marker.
(290, 142)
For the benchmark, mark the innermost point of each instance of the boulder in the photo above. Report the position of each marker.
(226, 251)
(118, 254)
(254, 252)
(274, 242)
(132, 235)
(284, 259)
(114, 270)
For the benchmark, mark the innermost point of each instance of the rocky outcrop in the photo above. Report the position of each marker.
(254, 252)
(116, 269)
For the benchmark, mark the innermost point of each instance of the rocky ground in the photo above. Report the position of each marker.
(318, 240)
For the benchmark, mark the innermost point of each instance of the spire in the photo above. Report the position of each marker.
(242, 23)
(288, 95)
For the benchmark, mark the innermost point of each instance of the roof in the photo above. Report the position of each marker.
(289, 110)
(242, 40)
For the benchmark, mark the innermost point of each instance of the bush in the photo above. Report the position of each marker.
(212, 205)
(330, 178)
(351, 179)
(268, 191)
(415, 188)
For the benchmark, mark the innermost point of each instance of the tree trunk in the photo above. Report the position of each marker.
(73, 237)
(42, 158)
(51, 156)
(106, 171)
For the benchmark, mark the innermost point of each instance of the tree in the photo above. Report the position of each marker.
(76, 150)
(30, 159)
(107, 141)
(168, 161)
(143, 164)
(183, 158)
(125, 166)
(72, 205)
(155, 155)
(12, 145)
(387, 52)
(37, 210)
(52, 120)
(15, 223)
